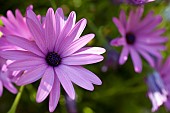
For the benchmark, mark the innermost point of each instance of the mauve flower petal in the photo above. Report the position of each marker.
(26, 64)
(11, 17)
(132, 21)
(153, 41)
(8, 85)
(7, 23)
(149, 59)
(118, 42)
(88, 75)
(136, 60)
(90, 50)
(151, 51)
(19, 17)
(165, 67)
(66, 29)
(74, 34)
(25, 44)
(77, 77)
(38, 34)
(78, 44)
(45, 85)
(122, 18)
(65, 82)
(1, 88)
(59, 21)
(82, 59)
(119, 26)
(32, 75)
(17, 55)
(54, 94)
(50, 29)
(124, 55)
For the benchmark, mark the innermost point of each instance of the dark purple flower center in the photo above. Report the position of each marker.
(53, 59)
(130, 38)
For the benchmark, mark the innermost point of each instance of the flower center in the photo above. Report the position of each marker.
(130, 38)
(53, 59)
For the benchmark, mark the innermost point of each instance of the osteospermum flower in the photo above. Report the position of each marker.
(138, 2)
(157, 91)
(139, 37)
(55, 56)
(4, 73)
(15, 25)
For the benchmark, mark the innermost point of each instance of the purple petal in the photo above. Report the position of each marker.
(11, 17)
(122, 18)
(1, 88)
(25, 44)
(136, 60)
(59, 21)
(19, 17)
(90, 50)
(147, 57)
(119, 26)
(54, 94)
(26, 64)
(74, 34)
(45, 85)
(65, 82)
(78, 44)
(32, 75)
(82, 59)
(38, 34)
(118, 42)
(124, 55)
(77, 77)
(8, 85)
(50, 29)
(17, 55)
(68, 26)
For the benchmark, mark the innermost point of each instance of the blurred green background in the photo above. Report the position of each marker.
(123, 90)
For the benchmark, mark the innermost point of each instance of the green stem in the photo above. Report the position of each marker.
(16, 101)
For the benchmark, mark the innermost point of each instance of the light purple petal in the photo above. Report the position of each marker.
(32, 75)
(136, 60)
(7, 23)
(77, 77)
(89, 75)
(78, 44)
(66, 29)
(8, 85)
(74, 34)
(153, 40)
(59, 21)
(38, 34)
(119, 26)
(124, 55)
(54, 94)
(26, 64)
(45, 85)
(11, 17)
(17, 55)
(19, 17)
(1, 88)
(90, 50)
(82, 59)
(147, 57)
(50, 29)
(122, 18)
(65, 82)
(118, 42)
(25, 44)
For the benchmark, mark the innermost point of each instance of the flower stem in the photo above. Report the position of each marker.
(16, 101)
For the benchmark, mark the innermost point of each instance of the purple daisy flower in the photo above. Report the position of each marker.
(15, 25)
(157, 91)
(55, 56)
(4, 72)
(137, 35)
(138, 2)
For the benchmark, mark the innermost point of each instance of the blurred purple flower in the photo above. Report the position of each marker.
(55, 56)
(138, 2)
(15, 25)
(139, 37)
(157, 92)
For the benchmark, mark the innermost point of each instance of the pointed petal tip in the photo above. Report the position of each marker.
(138, 69)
